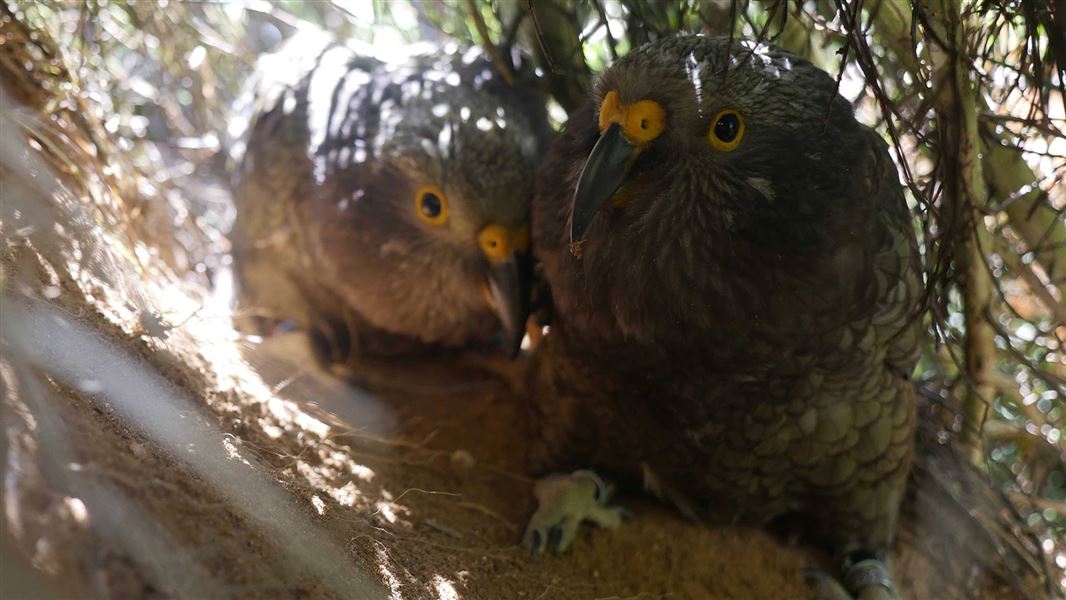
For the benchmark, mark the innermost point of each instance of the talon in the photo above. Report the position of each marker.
(555, 538)
(563, 503)
(535, 543)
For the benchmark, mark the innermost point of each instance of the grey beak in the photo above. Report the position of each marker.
(509, 284)
(604, 172)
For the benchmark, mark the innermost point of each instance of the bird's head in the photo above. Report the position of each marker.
(712, 173)
(735, 126)
(442, 176)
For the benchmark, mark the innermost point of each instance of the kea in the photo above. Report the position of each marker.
(383, 205)
(737, 292)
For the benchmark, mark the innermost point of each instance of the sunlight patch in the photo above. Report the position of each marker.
(231, 450)
(347, 495)
(340, 461)
(364, 473)
(319, 478)
(385, 509)
(386, 574)
(445, 589)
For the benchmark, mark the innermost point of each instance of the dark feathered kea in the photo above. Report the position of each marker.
(384, 205)
(736, 288)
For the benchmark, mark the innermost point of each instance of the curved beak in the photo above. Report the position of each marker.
(604, 172)
(509, 289)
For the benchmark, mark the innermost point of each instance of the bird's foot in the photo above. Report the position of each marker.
(866, 577)
(563, 503)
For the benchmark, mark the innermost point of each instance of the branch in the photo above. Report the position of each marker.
(486, 40)
(561, 54)
(1004, 169)
(1007, 389)
(1057, 308)
(964, 194)
(1001, 432)
(716, 16)
(1038, 502)
(1030, 215)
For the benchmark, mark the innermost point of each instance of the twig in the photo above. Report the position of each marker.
(448, 531)
(488, 512)
(1039, 502)
(552, 67)
(1035, 285)
(429, 492)
(486, 41)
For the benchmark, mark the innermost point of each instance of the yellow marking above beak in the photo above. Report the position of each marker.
(498, 243)
(641, 121)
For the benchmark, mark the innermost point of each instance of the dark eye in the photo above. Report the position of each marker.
(431, 205)
(727, 129)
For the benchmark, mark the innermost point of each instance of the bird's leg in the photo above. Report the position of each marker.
(563, 503)
(825, 587)
(863, 524)
(867, 576)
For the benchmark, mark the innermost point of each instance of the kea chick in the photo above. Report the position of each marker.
(735, 283)
(384, 207)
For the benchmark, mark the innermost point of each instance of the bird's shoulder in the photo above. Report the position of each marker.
(891, 317)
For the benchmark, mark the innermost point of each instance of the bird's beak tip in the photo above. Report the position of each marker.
(509, 286)
(605, 170)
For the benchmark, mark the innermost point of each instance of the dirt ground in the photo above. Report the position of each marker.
(421, 484)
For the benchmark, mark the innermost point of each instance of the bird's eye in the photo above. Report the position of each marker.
(727, 129)
(431, 205)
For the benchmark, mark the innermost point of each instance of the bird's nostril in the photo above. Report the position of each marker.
(495, 241)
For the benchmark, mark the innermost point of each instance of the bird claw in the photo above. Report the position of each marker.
(563, 503)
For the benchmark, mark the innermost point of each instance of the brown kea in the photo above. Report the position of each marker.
(383, 206)
(737, 290)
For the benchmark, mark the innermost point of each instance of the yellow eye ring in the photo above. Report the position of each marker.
(431, 204)
(727, 129)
